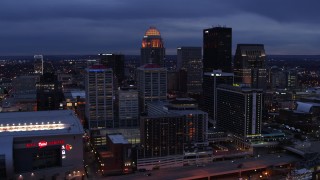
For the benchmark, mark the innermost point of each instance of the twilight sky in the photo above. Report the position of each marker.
(53, 27)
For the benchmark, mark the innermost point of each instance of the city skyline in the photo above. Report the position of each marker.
(91, 27)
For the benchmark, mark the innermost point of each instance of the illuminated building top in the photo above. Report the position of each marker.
(152, 31)
(152, 39)
(39, 122)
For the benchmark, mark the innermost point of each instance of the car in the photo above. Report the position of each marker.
(147, 174)
(201, 165)
(142, 170)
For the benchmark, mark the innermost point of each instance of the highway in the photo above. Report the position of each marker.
(212, 169)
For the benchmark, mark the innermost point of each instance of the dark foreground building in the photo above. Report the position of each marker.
(249, 65)
(41, 145)
(117, 159)
(217, 47)
(49, 93)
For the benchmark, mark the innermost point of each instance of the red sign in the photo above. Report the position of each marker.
(42, 144)
(68, 147)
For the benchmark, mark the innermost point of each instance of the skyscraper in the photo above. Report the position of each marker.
(152, 84)
(239, 110)
(116, 62)
(99, 97)
(38, 64)
(190, 60)
(49, 93)
(249, 65)
(162, 135)
(211, 80)
(128, 108)
(196, 124)
(217, 49)
(152, 49)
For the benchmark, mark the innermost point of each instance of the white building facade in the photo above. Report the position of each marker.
(152, 84)
(99, 97)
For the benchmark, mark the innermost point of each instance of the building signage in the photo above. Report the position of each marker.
(68, 147)
(65, 148)
(42, 144)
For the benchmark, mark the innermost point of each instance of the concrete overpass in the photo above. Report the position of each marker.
(294, 150)
(213, 169)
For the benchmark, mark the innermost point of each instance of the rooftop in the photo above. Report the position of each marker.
(39, 123)
(150, 66)
(241, 89)
(306, 106)
(218, 73)
(118, 139)
(152, 31)
(73, 94)
(98, 66)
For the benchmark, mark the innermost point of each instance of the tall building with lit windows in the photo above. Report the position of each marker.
(217, 49)
(189, 59)
(128, 108)
(38, 64)
(249, 65)
(49, 93)
(152, 84)
(162, 135)
(99, 97)
(116, 62)
(211, 80)
(152, 49)
(239, 110)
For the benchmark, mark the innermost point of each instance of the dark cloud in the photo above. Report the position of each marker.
(92, 26)
(285, 11)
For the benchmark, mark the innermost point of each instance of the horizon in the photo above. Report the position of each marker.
(31, 55)
(85, 27)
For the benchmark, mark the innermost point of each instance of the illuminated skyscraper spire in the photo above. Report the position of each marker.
(152, 48)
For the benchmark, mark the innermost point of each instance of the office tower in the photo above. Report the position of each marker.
(292, 78)
(48, 67)
(38, 64)
(190, 60)
(239, 110)
(177, 81)
(49, 93)
(152, 49)
(25, 84)
(116, 63)
(172, 81)
(211, 80)
(162, 135)
(152, 84)
(24, 92)
(277, 78)
(196, 126)
(128, 107)
(217, 49)
(99, 97)
(249, 65)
